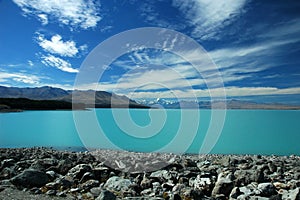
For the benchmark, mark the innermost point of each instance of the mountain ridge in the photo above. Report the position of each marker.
(97, 99)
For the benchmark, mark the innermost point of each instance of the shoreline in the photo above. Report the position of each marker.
(46, 173)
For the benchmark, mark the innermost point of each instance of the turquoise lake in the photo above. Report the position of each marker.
(183, 131)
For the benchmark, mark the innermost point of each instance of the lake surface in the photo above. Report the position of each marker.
(181, 131)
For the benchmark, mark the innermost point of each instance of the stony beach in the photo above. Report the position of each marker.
(44, 173)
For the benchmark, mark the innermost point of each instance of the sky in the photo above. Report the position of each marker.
(255, 46)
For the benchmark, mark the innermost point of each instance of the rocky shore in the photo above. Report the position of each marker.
(43, 173)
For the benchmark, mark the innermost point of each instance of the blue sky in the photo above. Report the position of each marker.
(254, 44)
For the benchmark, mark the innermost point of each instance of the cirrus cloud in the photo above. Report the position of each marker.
(74, 13)
(58, 63)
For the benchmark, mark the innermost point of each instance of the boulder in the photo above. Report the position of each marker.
(222, 186)
(266, 190)
(116, 183)
(30, 178)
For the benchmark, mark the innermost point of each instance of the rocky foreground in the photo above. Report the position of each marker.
(40, 173)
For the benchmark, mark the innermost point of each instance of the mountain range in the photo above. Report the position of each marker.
(99, 99)
(221, 104)
(102, 99)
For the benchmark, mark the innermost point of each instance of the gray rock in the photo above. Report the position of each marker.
(203, 184)
(86, 176)
(30, 178)
(291, 194)
(243, 197)
(161, 175)
(79, 170)
(146, 182)
(64, 183)
(245, 177)
(222, 186)
(61, 194)
(266, 189)
(96, 191)
(7, 163)
(116, 183)
(90, 184)
(51, 192)
(247, 190)
(235, 192)
(74, 190)
(178, 187)
(257, 198)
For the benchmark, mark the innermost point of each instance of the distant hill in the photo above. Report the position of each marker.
(99, 99)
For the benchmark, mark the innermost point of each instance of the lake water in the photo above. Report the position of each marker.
(244, 131)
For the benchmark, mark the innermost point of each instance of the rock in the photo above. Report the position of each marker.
(146, 182)
(291, 194)
(266, 189)
(243, 197)
(168, 186)
(79, 176)
(63, 166)
(86, 176)
(245, 177)
(257, 198)
(78, 171)
(74, 190)
(96, 191)
(203, 184)
(220, 197)
(61, 194)
(222, 186)
(116, 183)
(147, 192)
(7, 173)
(101, 173)
(30, 178)
(51, 192)
(161, 175)
(246, 190)
(90, 184)
(64, 183)
(7, 163)
(51, 174)
(175, 197)
(178, 187)
(235, 192)
(279, 185)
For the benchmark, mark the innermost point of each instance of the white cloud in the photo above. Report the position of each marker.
(57, 46)
(30, 63)
(207, 17)
(43, 18)
(289, 29)
(19, 77)
(74, 13)
(59, 63)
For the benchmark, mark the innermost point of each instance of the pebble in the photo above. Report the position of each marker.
(89, 175)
